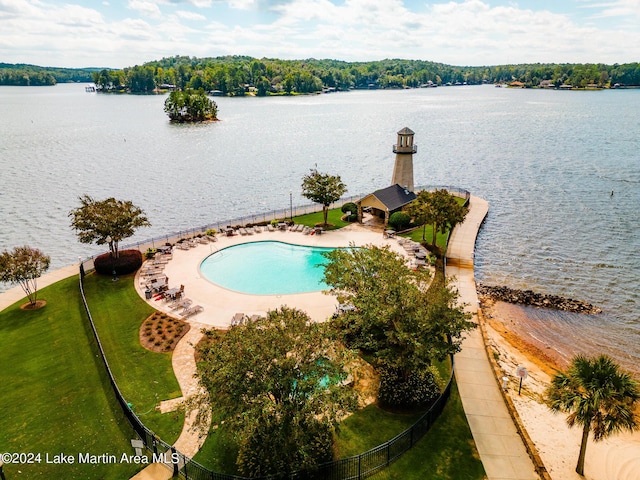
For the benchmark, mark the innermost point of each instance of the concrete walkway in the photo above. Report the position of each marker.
(501, 448)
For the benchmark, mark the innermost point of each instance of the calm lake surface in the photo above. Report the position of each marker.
(546, 161)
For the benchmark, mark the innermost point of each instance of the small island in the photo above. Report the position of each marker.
(184, 106)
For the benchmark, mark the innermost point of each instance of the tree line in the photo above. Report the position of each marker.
(238, 75)
(32, 75)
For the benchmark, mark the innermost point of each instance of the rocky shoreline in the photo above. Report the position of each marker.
(528, 297)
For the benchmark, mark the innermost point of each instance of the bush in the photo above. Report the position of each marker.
(350, 207)
(399, 220)
(128, 262)
(418, 390)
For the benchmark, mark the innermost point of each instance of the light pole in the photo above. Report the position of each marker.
(291, 204)
(113, 260)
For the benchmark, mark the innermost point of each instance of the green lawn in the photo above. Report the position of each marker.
(55, 397)
(446, 452)
(369, 428)
(333, 218)
(145, 378)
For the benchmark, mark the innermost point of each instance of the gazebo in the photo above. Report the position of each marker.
(386, 201)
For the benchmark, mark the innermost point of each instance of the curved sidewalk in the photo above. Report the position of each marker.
(501, 448)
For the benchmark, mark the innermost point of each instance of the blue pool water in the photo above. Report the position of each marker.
(267, 268)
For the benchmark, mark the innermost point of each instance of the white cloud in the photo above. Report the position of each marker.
(148, 9)
(459, 32)
(187, 15)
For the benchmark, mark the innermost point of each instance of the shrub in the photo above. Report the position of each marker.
(349, 207)
(417, 390)
(128, 262)
(399, 220)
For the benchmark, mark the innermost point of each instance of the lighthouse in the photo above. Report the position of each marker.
(403, 168)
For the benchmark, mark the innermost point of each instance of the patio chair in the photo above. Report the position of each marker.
(192, 311)
(238, 319)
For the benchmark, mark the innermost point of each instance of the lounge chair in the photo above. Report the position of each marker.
(270, 228)
(238, 319)
(192, 311)
(184, 303)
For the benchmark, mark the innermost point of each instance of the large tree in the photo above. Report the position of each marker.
(405, 321)
(323, 188)
(106, 221)
(598, 396)
(24, 265)
(279, 384)
(439, 209)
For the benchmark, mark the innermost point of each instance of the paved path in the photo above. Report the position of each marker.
(501, 449)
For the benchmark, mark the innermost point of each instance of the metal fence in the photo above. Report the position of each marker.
(263, 218)
(355, 467)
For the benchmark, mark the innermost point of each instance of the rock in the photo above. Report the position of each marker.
(528, 297)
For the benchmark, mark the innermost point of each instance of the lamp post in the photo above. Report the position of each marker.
(291, 204)
(113, 260)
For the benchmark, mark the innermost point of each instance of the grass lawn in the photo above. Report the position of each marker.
(55, 397)
(446, 452)
(145, 378)
(312, 219)
(356, 435)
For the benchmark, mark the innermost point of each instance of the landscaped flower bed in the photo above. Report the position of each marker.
(161, 332)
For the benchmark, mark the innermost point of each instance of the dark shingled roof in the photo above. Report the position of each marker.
(394, 197)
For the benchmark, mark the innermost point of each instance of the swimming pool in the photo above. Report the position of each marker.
(267, 268)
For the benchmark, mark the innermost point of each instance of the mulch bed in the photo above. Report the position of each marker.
(33, 306)
(161, 332)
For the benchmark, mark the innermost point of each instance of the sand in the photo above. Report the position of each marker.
(616, 458)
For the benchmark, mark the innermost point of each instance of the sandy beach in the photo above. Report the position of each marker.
(615, 458)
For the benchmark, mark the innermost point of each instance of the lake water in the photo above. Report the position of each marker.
(546, 161)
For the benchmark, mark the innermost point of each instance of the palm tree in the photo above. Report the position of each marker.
(598, 396)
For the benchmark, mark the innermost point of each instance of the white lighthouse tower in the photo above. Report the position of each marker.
(403, 168)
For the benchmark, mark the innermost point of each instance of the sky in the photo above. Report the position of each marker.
(123, 33)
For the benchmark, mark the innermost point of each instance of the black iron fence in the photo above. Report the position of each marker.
(356, 467)
(264, 217)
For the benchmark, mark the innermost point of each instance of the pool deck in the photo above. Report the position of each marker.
(221, 304)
